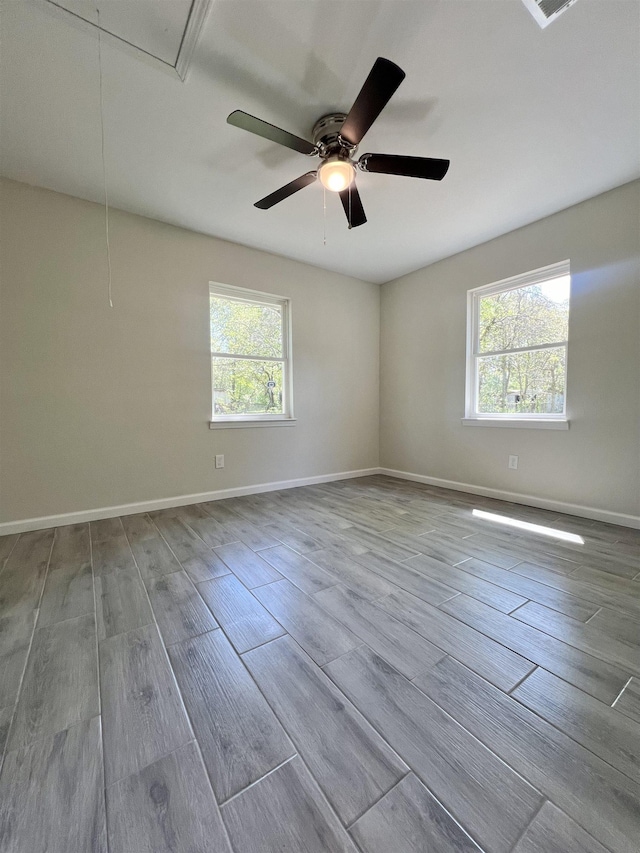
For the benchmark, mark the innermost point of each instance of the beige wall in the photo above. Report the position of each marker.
(102, 407)
(597, 462)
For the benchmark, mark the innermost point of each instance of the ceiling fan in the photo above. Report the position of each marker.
(335, 140)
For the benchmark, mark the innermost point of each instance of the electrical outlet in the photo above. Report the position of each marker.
(513, 462)
(220, 460)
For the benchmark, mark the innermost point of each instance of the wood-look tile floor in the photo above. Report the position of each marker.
(360, 665)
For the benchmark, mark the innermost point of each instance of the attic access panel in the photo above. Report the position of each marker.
(166, 30)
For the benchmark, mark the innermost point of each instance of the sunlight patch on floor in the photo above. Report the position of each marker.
(528, 526)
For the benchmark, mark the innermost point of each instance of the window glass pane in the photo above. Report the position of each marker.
(247, 387)
(245, 328)
(524, 382)
(525, 317)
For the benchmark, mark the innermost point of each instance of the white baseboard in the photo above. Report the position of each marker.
(528, 500)
(27, 524)
(45, 521)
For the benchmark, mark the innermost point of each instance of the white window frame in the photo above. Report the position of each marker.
(508, 419)
(284, 418)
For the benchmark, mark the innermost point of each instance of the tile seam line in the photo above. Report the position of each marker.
(521, 681)
(28, 655)
(52, 735)
(533, 818)
(560, 591)
(150, 764)
(613, 663)
(160, 637)
(95, 621)
(606, 761)
(6, 559)
(255, 782)
(613, 704)
(349, 826)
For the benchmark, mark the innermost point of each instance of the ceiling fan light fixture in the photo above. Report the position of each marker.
(336, 174)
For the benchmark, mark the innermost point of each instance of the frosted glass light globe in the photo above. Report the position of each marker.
(336, 174)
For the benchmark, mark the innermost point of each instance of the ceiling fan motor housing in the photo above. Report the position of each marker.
(326, 136)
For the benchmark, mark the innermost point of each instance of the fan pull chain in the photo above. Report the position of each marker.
(350, 207)
(324, 216)
(104, 167)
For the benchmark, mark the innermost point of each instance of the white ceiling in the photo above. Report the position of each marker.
(533, 120)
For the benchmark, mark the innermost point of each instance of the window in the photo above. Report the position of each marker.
(250, 357)
(517, 349)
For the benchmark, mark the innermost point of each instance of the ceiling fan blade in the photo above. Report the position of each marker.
(383, 80)
(353, 206)
(271, 132)
(411, 167)
(285, 191)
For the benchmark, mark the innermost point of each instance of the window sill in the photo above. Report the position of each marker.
(532, 423)
(275, 422)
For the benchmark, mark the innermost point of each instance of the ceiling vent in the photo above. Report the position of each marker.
(546, 11)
